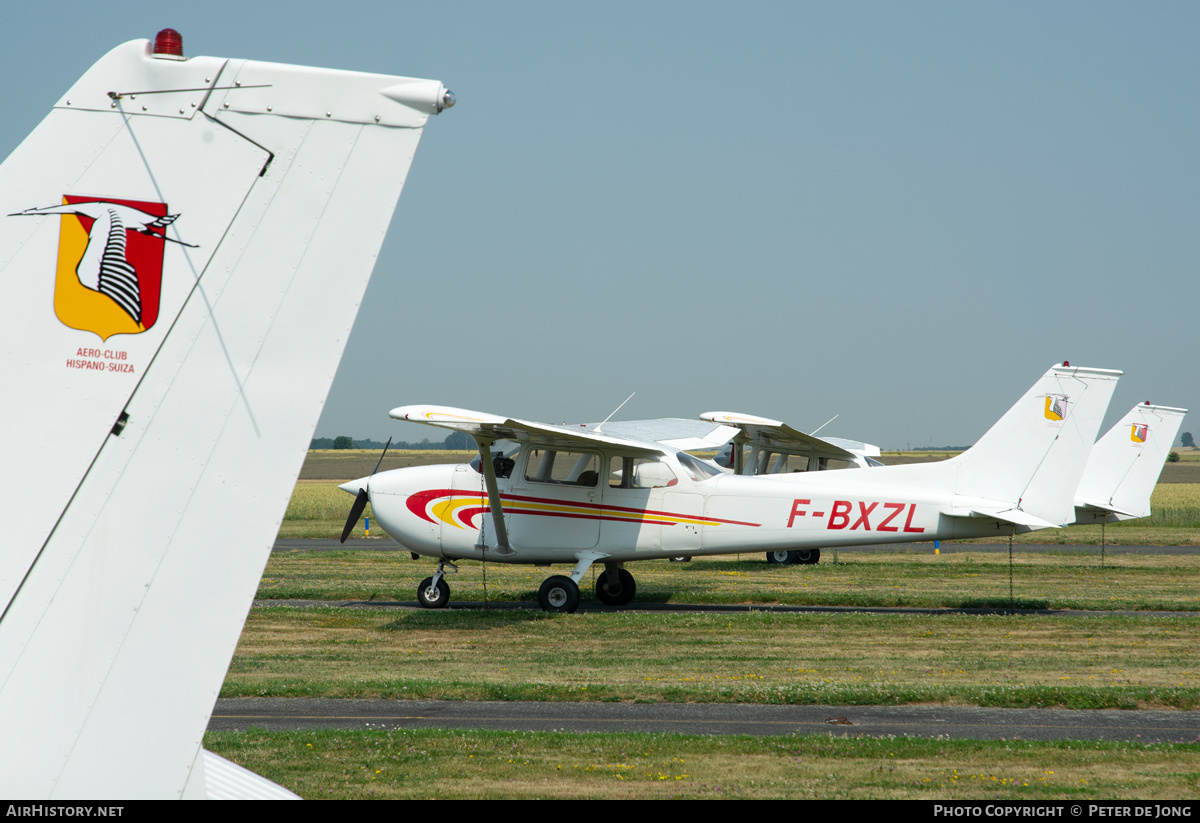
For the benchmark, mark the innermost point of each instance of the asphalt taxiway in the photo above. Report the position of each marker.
(955, 722)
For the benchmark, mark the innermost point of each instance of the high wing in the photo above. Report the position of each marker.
(773, 434)
(1125, 463)
(485, 429)
(483, 426)
(671, 432)
(151, 458)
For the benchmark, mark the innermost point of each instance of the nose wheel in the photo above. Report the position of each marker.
(434, 592)
(559, 594)
(433, 595)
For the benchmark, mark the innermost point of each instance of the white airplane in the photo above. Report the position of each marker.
(1125, 464)
(170, 336)
(543, 494)
(1117, 481)
(764, 446)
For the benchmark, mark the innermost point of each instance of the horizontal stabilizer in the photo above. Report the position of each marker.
(225, 780)
(1014, 516)
(1098, 511)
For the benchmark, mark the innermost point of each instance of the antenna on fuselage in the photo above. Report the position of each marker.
(614, 411)
(826, 423)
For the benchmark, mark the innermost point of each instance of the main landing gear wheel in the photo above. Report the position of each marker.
(431, 596)
(808, 557)
(780, 558)
(559, 594)
(618, 594)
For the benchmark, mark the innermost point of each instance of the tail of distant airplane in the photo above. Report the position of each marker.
(184, 244)
(1125, 464)
(1025, 468)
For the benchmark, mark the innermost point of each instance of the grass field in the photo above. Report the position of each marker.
(837, 659)
(843, 659)
(1130, 662)
(916, 577)
(522, 765)
(1105, 661)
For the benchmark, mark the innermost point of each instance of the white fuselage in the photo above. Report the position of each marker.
(439, 510)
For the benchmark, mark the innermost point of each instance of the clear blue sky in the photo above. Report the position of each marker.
(901, 213)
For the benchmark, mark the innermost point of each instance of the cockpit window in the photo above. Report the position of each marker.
(781, 463)
(775, 462)
(639, 473)
(563, 467)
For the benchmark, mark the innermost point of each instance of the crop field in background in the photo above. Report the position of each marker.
(350, 464)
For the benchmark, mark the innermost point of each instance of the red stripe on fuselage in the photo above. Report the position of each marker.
(417, 504)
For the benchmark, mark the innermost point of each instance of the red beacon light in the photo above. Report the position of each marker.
(1066, 363)
(168, 43)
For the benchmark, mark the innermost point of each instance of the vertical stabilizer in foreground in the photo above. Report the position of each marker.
(183, 247)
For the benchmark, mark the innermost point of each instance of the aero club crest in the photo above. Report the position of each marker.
(1056, 407)
(108, 278)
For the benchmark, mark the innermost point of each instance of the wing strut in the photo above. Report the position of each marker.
(489, 475)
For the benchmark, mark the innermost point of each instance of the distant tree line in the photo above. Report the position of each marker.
(455, 441)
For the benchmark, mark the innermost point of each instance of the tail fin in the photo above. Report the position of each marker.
(162, 444)
(1125, 465)
(1028, 464)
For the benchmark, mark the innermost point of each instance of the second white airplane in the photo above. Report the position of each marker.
(542, 494)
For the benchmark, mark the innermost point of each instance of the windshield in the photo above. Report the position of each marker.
(698, 469)
(504, 454)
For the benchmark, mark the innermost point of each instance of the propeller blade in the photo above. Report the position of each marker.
(360, 503)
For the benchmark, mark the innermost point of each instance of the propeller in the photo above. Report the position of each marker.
(361, 499)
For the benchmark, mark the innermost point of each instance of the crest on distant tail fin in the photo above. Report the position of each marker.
(1056, 407)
